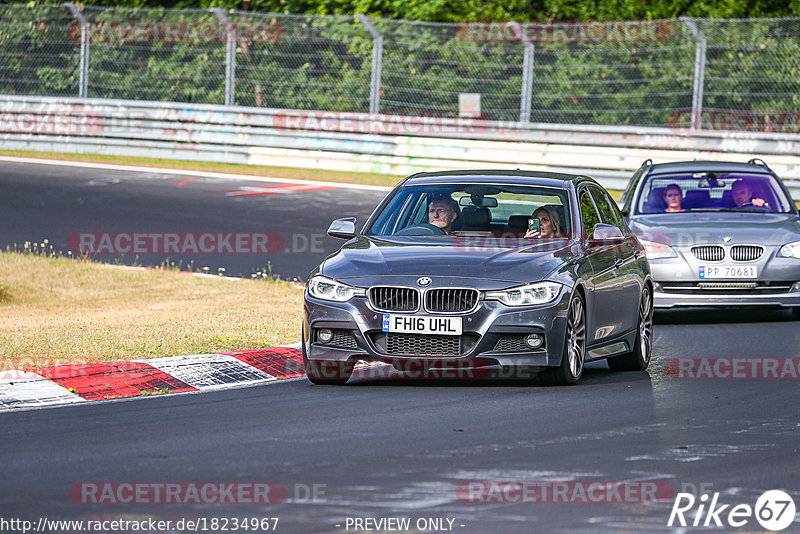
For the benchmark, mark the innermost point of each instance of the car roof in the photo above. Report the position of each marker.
(497, 176)
(708, 166)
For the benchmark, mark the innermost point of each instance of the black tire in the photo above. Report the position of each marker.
(571, 368)
(323, 372)
(796, 313)
(639, 358)
(328, 373)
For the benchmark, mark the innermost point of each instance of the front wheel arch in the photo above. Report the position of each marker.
(639, 357)
(573, 354)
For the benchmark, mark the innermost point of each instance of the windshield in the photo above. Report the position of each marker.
(507, 211)
(712, 191)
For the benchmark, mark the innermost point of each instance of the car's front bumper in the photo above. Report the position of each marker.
(678, 284)
(483, 327)
(671, 299)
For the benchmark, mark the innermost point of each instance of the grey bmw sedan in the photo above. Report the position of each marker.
(717, 233)
(482, 269)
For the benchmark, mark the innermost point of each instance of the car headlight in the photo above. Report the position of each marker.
(654, 250)
(325, 288)
(527, 295)
(791, 250)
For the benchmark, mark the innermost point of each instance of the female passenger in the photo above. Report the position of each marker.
(549, 225)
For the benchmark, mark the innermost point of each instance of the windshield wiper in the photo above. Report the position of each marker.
(729, 210)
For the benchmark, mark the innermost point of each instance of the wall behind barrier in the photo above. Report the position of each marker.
(360, 142)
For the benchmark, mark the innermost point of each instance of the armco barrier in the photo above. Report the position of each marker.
(353, 142)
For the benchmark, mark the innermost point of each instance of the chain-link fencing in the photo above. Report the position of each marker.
(302, 62)
(37, 56)
(680, 73)
(151, 54)
(752, 75)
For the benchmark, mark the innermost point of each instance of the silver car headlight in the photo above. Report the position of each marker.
(325, 288)
(791, 250)
(527, 295)
(654, 250)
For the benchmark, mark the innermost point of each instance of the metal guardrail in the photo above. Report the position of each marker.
(390, 144)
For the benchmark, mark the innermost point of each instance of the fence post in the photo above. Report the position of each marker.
(83, 69)
(230, 56)
(527, 83)
(377, 64)
(699, 71)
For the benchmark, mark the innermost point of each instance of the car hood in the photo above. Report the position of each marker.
(691, 228)
(484, 258)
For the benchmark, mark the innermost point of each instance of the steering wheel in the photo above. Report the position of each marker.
(749, 205)
(422, 229)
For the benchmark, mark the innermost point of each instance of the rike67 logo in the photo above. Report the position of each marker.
(774, 510)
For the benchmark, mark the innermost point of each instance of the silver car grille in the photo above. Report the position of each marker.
(727, 285)
(750, 288)
(394, 298)
(709, 252)
(746, 252)
(451, 300)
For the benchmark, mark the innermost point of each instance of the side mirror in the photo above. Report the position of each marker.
(604, 233)
(343, 228)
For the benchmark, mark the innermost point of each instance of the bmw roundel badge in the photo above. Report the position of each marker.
(424, 281)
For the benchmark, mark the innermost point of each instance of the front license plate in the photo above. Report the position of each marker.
(422, 324)
(728, 271)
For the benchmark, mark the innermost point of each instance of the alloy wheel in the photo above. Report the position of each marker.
(576, 337)
(646, 324)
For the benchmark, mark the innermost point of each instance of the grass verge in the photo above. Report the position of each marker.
(291, 173)
(56, 311)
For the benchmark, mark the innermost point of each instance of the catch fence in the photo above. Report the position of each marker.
(687, 74)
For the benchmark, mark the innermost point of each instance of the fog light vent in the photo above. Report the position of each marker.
(519, 343)
(325, 335)
(534, 341)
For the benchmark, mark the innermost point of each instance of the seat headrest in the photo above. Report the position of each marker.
(697, 199)
(696, 194)
(518, 222)
(475, 216)
(655, 200)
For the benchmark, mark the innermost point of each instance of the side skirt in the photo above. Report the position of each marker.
(613, 347)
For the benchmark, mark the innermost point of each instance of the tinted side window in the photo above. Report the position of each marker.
(588, 215)
(627, 196)
(607, 213)
(620, 218)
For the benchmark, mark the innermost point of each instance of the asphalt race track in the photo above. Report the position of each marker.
(380, 448)
(39, 202)
(402, 448)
